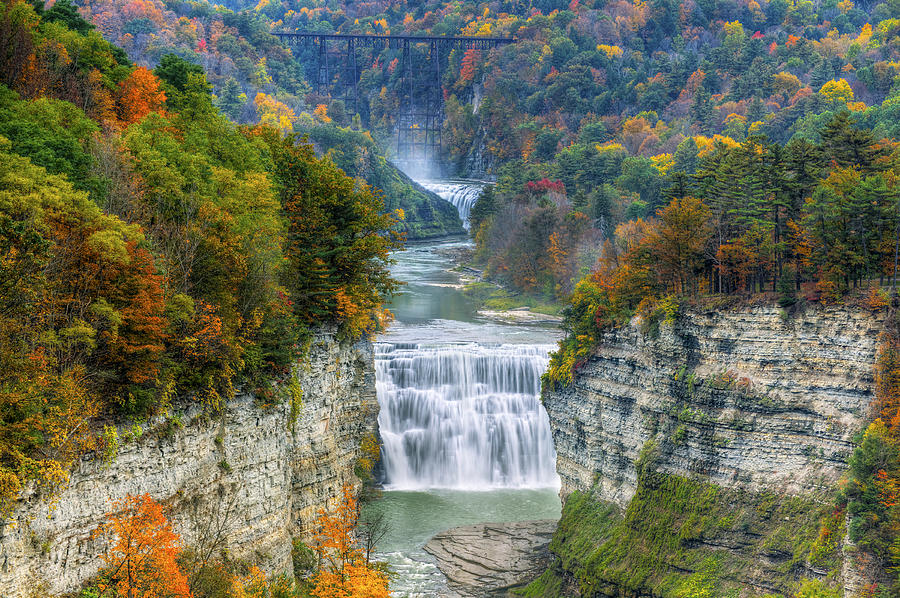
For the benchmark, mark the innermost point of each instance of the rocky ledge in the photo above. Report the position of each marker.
(488, 559)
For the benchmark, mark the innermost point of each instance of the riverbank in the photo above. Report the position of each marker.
(495, 301)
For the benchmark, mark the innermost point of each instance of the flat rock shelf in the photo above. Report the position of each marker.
(488, 559)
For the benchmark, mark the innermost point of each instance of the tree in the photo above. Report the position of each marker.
(141, 554)
(679, 242)
(140, 94)
(232, 99)
(344, 572)
(850, 146)
(338, 239)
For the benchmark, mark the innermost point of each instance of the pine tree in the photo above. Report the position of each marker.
(232, 99)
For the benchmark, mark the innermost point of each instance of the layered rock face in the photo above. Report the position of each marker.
(750, 399)
(249, 477)
(704, 453)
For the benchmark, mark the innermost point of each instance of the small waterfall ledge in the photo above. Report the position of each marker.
(464, 416)
(462, 194)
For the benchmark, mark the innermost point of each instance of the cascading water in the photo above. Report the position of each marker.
(461, 194)
(464, 416)
(464, 436)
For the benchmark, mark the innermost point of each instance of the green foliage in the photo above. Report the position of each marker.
(663, 542)
(339, 239)
(424, 214)
(187, 280)
(303, 558)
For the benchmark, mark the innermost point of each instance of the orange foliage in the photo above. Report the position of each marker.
(344, 572)
(141, 556)
(467, 70)
(139, 95)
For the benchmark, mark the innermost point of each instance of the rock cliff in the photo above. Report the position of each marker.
(749, 399)
(747, 412)
(258, 474)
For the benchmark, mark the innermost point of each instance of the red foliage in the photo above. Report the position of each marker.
(545, 185)
(467, 70)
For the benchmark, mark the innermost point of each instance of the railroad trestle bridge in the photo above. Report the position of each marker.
(421, 111)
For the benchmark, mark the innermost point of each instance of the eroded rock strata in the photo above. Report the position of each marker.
(258, 474)
(487, 559)
(708, 449)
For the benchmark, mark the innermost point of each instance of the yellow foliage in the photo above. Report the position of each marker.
(787, 83)
(865, 35)
(274, 113)
(610, 51)
(609, 147)
(837, 91)
(663, 162)
(707, 144)
(734, 28)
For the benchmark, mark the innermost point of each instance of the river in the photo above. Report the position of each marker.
(465, 438)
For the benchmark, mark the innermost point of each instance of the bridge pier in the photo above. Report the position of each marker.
(421, 115)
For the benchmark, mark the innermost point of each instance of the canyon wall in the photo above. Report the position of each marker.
(753, 406)
(252, 476)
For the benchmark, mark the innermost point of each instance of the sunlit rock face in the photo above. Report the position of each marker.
(254, 471)
(752, 398)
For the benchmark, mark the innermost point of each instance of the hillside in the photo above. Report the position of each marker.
(156, 258)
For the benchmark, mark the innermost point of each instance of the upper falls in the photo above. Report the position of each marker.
(463, 416)
(461, 194)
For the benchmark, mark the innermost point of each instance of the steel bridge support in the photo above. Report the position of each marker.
(421, 112)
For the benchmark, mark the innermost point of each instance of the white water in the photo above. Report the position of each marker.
(464, 416)
(464, 436)
(461, 194)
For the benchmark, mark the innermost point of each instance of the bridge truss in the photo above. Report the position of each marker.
(421, 112)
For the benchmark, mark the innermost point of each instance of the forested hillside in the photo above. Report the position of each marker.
(150, 250)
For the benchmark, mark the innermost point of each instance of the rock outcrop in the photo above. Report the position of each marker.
(487, 559)
(701, 456)
(252, 476)
(752, 399)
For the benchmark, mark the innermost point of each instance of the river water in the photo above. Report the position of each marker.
(465, 438)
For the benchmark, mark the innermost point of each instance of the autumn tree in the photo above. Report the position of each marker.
(338, 240)
(678, 244)
(141, 552)
(139, 95)
(344, 571)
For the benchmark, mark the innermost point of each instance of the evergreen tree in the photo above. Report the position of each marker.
(850, 146)
(232, 99)
(701, 112)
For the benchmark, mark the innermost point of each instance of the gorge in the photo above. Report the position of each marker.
(464, 437)
(752, 405)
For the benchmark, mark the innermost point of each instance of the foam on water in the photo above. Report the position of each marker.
(463, 416)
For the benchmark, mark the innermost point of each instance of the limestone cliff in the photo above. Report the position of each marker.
(753, 407)
(259, 474)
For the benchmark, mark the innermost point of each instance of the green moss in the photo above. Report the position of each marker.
(680, 537)
(550, 583)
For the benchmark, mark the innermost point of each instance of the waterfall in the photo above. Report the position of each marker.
(464, 416)
(461, 194)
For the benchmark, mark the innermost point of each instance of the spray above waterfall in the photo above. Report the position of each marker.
(464, 416)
